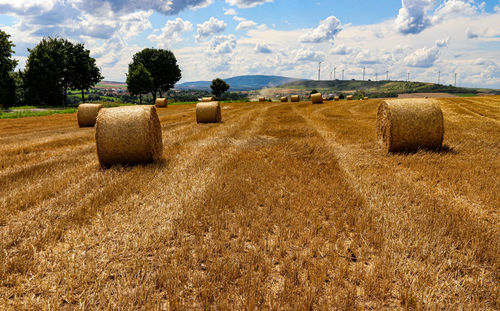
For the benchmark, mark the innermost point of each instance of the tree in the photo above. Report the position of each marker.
(162, 65)
(84, 72)
(7, 77)
(313, 92)
(139, 80)
(219, 87)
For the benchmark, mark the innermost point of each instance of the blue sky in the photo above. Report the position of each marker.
(225, 38)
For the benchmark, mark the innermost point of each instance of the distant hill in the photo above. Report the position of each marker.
(240, 83)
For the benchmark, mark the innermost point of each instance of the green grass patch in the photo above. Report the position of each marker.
(466, 94)
(25, 107)
(24, 114)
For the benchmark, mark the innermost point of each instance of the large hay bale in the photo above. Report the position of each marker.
(128, 135)
(262, 99)
(410, 124)
(295, 98)
(207, 99)
(208, 112)
(348, 97)
(317, 98)
(284, 99)
(161, 103)
(365, 98)
(87, 114)
(336, 98)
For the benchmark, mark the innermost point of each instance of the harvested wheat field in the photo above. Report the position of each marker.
(281, 206)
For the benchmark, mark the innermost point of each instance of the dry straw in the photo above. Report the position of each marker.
(365, 98)
(87, 114)
(161, 103)
(336, 98)
(317, 98)
(410, 124)
(207, 99)
(295, 98)
(349, 97)
(284, 99)
(262, 99)
(208, 112)
(128, 135)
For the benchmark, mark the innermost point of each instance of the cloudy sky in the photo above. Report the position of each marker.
(225, 38)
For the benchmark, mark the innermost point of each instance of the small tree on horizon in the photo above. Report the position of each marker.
(139, 80)
(219, 87)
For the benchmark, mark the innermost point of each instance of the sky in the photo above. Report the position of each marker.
(226, 38)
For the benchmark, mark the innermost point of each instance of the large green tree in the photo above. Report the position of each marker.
(162, 65)
(219, 87)
(7, 65)
(139, 80)
(85, 73)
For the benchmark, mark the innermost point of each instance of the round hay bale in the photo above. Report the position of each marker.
(262, 99)
(336, 98)
(161, 103)
(284, 99)
(87, 114)
(295, 98)
(348, 97)
(317, 98)
(410, 124)
(128, 135)
(365, 98)
(207, 99)
(208, 112)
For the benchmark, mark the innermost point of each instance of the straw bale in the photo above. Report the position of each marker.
(410, 124)
(87, 114)
(348, 97)
(295, 98)
(284, 99)
(317, 98)
(262, 99)
(128, 135)
(161, 103)
(336, 98)
(208, 112)
(207, 99)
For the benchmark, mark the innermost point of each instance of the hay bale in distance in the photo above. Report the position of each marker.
(262, 99)
(317, 98)
(410, 124)
(365, 98)
(348, 97)
(284, 99)
(208, 112)
(336, 98)
(161, 103)
(87, 114)
(207, 99)
(128, 135)
(295, 98)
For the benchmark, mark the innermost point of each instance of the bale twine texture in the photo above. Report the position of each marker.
(284, 99)
(410, 124)
(208, 112)
(295, 98)
(262, 99)
(207, 99)
(87, 114)
(317, 98)
(128, 135)
(349, 97)
(161, 103)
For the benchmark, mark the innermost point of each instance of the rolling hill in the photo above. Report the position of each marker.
(241, 83)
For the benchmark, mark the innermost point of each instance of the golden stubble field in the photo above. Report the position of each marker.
(282, 206)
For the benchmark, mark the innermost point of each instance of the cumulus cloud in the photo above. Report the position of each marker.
(423, 58)
(443, 43)
(247, 3)
(170, 7)
(262, 48)
(308, 55)
(230, 12)
(326, 31)
(341, 49)
(470, 34)
(171, 32)
(246, 24)
(454, 8)
(223, 44)
(210, 27)
(412, 18)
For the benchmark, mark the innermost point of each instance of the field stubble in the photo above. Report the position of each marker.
(282, 206)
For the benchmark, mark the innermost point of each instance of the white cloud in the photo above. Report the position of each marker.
(171, 32)
(223, 44)
(168, 7)
(453, 9)
(308, 55)
(470, 34)
(424, 57)
(247, 3)
(210, 27)
(341, 49)
(262, 48)
(443, 43)
(246, 24)
(412, 18)
(326, 31)
(230, 12)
